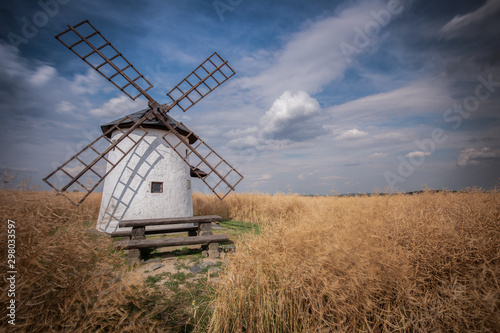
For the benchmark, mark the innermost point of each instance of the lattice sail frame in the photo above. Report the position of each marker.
(221, 171)
(208, 76)
(89, 168)
(105, 59)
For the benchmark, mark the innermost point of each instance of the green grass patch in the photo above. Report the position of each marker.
(240, 227)
(179, 264)
(151, 281)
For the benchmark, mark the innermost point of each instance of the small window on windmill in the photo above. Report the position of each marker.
(188, 184)
(156, 187)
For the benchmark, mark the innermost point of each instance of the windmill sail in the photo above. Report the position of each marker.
(92, 47)
(222, 177)
(84, 164)
(209, 75)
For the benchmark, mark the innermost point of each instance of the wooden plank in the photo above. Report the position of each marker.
(166, 221)
(161, 242)
(125, 233)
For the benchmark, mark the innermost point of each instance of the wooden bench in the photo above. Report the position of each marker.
(198, 234)
(192, 231)
(162, 242)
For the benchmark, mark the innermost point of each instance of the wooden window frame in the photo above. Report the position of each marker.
(153, 187)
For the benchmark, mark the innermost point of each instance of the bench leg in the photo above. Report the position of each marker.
(135, 255)
(213, 251)
(205, 229)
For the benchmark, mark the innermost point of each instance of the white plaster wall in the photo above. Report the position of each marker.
(127, 189)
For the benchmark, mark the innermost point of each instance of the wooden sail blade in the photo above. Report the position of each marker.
(93, 48)
(213, 72)
(84, 171)
(220, 177)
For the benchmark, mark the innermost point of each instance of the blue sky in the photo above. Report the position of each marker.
(344, 96)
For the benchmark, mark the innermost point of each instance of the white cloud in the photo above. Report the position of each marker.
(313, 57)
(418, 98)
(90, 83)
(255, 62)
(74, 170)
(378, 155)
(65, 107)
(41, 89)
(351, 134)
(331, 177)
(34, 89)
(291, 118)
(303, 176)
(118, 106)
(258, 179)
(463, 24)
(42, 75)
(5, 170)
(418, 153)
(287, 109)
(245, 142)
(473, 156)
(399, 135)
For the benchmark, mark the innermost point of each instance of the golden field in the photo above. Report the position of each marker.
(412, 263)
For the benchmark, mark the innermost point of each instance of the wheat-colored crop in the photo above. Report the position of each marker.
(66, 279)
(426, 262)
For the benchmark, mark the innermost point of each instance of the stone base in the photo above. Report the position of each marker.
(213, 246)
(213, 254)
(213, 250)
(134, 257)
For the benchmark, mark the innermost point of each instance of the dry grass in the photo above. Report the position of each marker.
(67, 280)
(427, 262)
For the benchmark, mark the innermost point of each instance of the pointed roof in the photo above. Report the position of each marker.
(155, 123)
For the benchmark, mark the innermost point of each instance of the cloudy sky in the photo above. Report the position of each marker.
(344, 96)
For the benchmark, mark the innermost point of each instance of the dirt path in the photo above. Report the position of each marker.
(167, 262)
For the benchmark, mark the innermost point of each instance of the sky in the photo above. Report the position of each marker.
(328, 97)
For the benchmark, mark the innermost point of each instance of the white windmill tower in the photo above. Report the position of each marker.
(152, 181)
(150, 158)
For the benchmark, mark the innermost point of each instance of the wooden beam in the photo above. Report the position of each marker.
(166, 221)
(124, 233)
(161, 242)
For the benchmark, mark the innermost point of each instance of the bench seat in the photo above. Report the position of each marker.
(125, 233)
(163, 242)
(167, 221)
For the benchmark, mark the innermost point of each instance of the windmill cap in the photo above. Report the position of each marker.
(155, 123)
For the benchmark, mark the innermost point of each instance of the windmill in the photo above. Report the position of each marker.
(123, 143)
